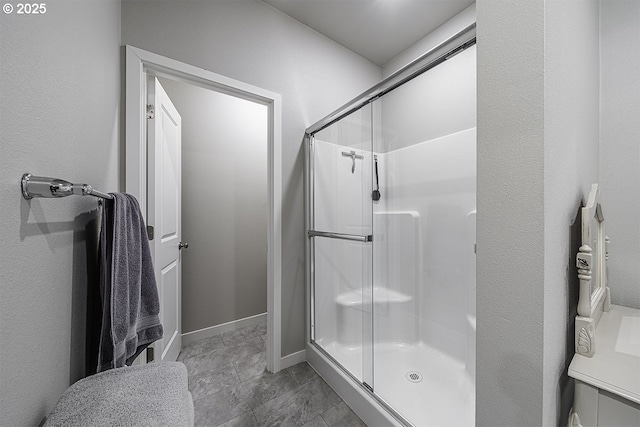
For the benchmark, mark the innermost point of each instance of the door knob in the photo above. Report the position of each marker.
(183, 245)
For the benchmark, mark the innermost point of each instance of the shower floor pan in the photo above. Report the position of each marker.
(444, 395)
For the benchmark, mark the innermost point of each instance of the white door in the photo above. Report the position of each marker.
(164, 213)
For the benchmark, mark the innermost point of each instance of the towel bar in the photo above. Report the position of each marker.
(40, 186)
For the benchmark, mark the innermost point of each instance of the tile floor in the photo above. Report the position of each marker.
(231, 387)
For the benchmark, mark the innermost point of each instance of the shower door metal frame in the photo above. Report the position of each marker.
(435, 56)
(310, 208)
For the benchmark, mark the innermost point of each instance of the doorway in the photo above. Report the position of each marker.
(224, 210)
(141, 64)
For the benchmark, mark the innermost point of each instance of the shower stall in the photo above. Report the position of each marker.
(391, 196)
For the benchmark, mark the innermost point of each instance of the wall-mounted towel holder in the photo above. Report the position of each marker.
(41, 186)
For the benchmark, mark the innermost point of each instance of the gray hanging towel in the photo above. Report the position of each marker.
(129, 294)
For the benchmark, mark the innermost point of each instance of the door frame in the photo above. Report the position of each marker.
(139, 63)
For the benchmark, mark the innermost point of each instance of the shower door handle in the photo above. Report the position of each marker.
(353, 237)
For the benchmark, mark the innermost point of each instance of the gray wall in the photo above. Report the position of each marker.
(620, 144)
(252, 42)
(537, 157)
(510, 226)
(59, 115)
(224, 205)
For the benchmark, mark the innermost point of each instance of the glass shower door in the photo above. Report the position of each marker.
(341, 248)
(424, 259)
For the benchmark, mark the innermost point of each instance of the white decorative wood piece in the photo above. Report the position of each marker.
(607, 291)
(607, 376)
(585, 336)
(574, 419)
(584, 261)
(591, 261)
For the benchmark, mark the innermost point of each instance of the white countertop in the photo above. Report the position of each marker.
(615, 366)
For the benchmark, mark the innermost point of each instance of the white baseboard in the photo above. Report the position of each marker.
(293, 359)
(189, 337)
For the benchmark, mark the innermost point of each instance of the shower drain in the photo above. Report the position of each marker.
(414, 377)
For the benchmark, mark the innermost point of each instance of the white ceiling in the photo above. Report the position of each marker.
(375, 29)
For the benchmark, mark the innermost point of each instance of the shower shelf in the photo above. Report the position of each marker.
(380, 295)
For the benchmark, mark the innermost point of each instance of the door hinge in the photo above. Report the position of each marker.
(150, 231)
(151, 112)
(150, 355)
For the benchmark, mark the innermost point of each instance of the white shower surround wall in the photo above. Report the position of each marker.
(423, 281)
(436, 181)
